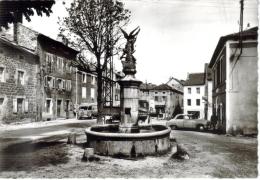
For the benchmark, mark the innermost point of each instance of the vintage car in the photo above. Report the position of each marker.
(87, 111)
(187, 121)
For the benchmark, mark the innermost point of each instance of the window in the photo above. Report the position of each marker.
(49, 61)
(156, 98)
(189, 90)
(84, 78)
(128, 111)
(84, 92)
(116, 97)
(198, 90)
(49, 82)
(92, 93)
(156, 92)
(189, 102)
(198, 102)
(68, 85)
(92, 79)
(164, 98)
(59, 83)
(20, 105)
(2, 74)
(20, 77)
(60, 63)
(163, 92)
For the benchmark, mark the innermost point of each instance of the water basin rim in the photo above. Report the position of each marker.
(128, 135)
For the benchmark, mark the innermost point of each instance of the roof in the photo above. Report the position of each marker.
(147, 86)
(56, 44)
(16, 46)
(247, 34)
(165, 87)
(195, 79)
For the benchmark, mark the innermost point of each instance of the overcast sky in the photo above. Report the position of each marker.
(176, 37)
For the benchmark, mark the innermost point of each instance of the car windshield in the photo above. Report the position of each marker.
(83, 108)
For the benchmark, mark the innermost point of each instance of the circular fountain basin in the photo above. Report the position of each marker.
(107, 140)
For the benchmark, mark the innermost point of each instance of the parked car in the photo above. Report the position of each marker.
(87, 111)
(187, 121)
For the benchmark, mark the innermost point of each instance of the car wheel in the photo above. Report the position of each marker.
(200, 127)
(173, 127)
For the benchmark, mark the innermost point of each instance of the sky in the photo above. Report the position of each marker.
(177, 36)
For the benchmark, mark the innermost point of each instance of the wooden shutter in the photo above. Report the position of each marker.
(26, 105)
(53, 82)
(45, 81)
(15, 105)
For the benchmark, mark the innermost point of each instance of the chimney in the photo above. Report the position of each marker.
(18, 18)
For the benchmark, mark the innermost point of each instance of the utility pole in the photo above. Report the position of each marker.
(241, 22)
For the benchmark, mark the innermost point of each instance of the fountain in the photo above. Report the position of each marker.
(128, 139)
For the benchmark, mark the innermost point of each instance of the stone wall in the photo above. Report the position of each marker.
(13, 59)
(26, 37)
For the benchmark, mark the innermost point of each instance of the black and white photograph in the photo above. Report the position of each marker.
(129, 89)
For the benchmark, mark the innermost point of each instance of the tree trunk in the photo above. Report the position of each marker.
(99, 92)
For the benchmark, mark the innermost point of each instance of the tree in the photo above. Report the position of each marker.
(94, 26)
(10, 10)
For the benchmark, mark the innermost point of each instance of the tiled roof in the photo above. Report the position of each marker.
(14, 45)
(163, 87)
(147, 86)
(195, 79)
(247, 34)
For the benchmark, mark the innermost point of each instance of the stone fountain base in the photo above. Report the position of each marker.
(107, 140)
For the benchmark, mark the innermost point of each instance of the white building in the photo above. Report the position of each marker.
(194, 90)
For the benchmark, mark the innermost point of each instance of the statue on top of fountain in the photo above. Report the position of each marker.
(129, 64)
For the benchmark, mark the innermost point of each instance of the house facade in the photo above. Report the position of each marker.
(58, 78)
(53, 76)
(208, 93)
(162, 99)
(234, 65)
(194, 90)
(19, 83)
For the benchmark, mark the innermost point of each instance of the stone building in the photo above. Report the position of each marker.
(162, 99)
(166, 99)
(55, 76)
(234, 66)
(19, 83)
(194, 90)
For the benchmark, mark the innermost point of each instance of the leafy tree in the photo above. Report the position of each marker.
(93, 26)
(177, 110)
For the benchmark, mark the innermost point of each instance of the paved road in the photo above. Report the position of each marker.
(51, 133)
(211, 155)
(225, 156)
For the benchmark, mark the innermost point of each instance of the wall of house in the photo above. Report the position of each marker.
(62, 98)
(89, 88)
(242, 89)
(210, 101)
(13, 60)
(148, 95)
(193, 96)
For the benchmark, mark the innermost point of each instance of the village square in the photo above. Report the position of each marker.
(128, 89)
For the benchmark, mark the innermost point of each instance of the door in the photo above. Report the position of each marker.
(67, 108)
(59, 108)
